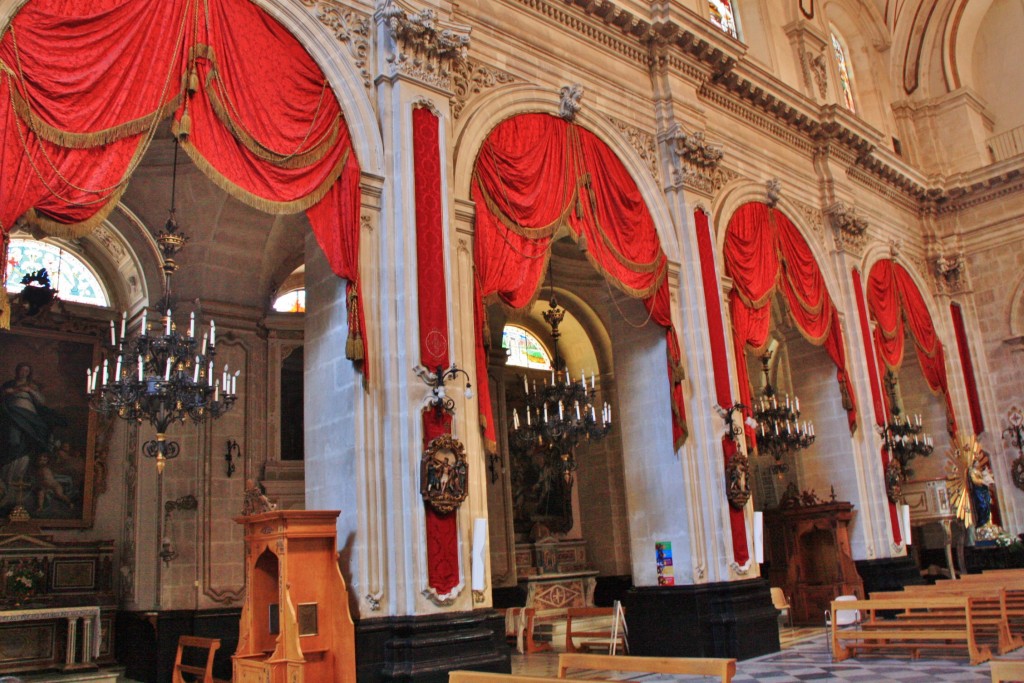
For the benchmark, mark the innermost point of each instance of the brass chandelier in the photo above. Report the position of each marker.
(560, 414)
(160, 375)
(779, 430)
(903, 437)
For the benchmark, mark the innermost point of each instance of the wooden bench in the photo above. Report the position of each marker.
(988, 611)
(590, 638)
(198, 674)
(1007, 670)
(914, 634)
(722, 668)
(1010, 580)
(523, 622)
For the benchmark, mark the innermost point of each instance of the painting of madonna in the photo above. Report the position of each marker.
(45, 449)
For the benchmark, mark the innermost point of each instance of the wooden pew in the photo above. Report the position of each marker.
(1011, 580)
(913, 635)
(722, 668)
(590, 638)
(988, 610)
(488, 677)
(1007, 670)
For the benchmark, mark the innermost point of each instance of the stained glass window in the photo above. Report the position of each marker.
(843, 66)
(72, 277)
(525, 350)
(291, 302)
(723, 16)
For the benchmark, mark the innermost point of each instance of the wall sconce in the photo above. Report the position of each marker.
(233, 452)
(733, 430)
(436, 381)
(167, 551)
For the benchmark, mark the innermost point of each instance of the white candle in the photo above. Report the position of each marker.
(234, 382)
(583, 379)
(561, 415)
(209, 373)
(528, 423)
(798, 404)
(545, 412)
(224, 382)
(144, 312)
(117, 371)
(95, 377)
(204, 343)
(216, 391)
(515, 419)
(192, 325)
(593, 415)
(113, 336)
(578, 410)
(140, 367)
(167, 371)
(88, 380)
(552, 378)
(104, 372)
(526, 386)
(609, 413)
(168, 319)
(195, 371)
(124, 321)
(213, 333)
(591, 381)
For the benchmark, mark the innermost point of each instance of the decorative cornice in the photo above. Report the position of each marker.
(471, 78)
(641, 141)
(350, 28)
(421, 46)
(849, 229)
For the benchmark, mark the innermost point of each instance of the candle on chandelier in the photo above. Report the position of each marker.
(552, 377)
(143, 330)
(95, 377)
(192, 325)
(609, 413)
(88, 380)
(140, 367)
(167, 371)
(216, 391)
(117, 371)
(577, 410)
(124, 321)
(545, 412)
(591, 381)
(515, 419)
(113, 335)
(528, 423)
(583, 379)
(526, 385)
(204, 343)
(561, 415)
(798, 404)
(104, 372)
(195, 371)
(213, 333)
(234, 382)
(167, 319)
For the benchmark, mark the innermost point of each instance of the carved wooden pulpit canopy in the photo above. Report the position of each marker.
(295, 623)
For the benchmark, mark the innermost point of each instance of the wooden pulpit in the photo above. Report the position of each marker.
(295, 625)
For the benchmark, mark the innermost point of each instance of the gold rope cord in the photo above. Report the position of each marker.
(255, 201)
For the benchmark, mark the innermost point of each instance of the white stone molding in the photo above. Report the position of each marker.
(418, 45)
(351, 28)
(641, 141)
(470, 78)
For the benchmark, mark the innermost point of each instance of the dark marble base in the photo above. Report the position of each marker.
(889, 574)
(425, 648)
(733, 619)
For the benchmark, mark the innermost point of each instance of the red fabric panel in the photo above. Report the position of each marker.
(876, 390)
(763, 249)
(536, 173)
(977, 421)
(442, 531)
(720, 363)
(430, 273)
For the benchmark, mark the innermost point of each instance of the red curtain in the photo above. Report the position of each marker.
(765, 253)
(963, 347)
(84, 84)
(720, 362)
(534, 174)
(895, 303)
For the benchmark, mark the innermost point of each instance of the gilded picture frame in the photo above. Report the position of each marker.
(48, 433)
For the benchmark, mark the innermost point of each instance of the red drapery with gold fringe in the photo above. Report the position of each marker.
(764, 253)
(84, 85)
(535, 174)
(895, 304)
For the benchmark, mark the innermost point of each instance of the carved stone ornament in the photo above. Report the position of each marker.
(815, 70)
(569, 97)
(950, 272)
(849, 228)
(773, 191)
(350, 28)
(696, 162)
(894, 482)
(424, 47)
(255, 501)
(737, 477)
(694, 149)
(444, 474)
(471, 78)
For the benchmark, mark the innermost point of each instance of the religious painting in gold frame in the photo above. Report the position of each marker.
(47, 432)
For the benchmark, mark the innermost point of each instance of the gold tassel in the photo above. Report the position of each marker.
(193, 82)
(354, 348)
(5, 309)
(678, 373)
(581, 243)
(184, 128)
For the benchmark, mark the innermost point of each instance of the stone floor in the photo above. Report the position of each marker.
(805, 657)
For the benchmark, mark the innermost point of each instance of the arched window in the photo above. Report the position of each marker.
(723, 16)
(845, 76)
(524, 349)
(70, 275)
(293, 301)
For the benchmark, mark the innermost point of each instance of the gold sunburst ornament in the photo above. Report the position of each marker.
(968, 477)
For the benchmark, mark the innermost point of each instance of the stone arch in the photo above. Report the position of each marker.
(958, 41)
(523, 99)
(1016, 313)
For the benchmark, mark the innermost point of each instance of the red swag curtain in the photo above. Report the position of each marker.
(895, 303)
(84, 84)
(764, 252)
(535, 174)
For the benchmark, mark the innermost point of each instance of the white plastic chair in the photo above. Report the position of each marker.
(844, 618)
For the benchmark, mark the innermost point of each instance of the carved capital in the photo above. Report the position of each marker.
(849, 228)
(569, 105)
(951, 272)
(815, 69)
(419, 45)
(696, 163)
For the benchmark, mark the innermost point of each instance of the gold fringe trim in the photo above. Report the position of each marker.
(73, 140)
(630, 291)
(255, 201)
(70, 231)
(529, 233)
(310, 156)
(5, 309)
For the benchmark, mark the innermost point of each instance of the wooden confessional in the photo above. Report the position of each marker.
(295, 623)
